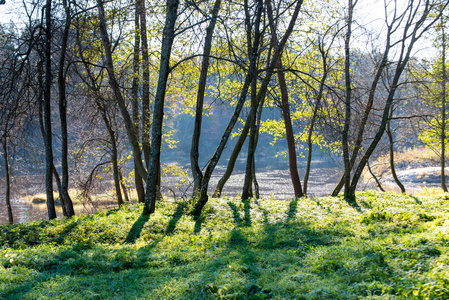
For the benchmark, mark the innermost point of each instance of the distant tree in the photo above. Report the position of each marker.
(434, 93)
(414, 21)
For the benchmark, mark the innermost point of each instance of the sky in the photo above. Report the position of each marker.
(10, 11)
(367, 12)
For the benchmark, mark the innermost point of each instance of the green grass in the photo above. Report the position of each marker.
(390, 247)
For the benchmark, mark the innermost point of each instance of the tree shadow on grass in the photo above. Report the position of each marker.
(175, 218)
(246, 221)
(198, 223)
(62, 236)
(292, 209)
(135, 231)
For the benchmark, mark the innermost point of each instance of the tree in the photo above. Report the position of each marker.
(152, 188)
(434, 93)
(194, 152)
(414, 21)
(129, 124)
(65, 197)
(47, 113)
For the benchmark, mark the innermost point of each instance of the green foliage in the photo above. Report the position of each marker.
(392, 246)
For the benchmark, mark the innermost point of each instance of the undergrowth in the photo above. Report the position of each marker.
(388, 247)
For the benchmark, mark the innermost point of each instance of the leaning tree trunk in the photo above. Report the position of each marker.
(233, 158)
(314, 116)
(253, 55)
(194, 151)
(7, 181)
(153, 188)
(293, 166)
(255, 183)
(391, 150)
(123, 185)
(292, 162)
(47, 116)
(250, 160)
(379, 185)
(114, 154)
(42, 129)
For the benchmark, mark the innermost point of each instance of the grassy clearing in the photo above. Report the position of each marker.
(391, 247)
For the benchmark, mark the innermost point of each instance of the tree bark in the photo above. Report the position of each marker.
(292, 162)
(375, 177)
(114, 153)
(42, 129)
(153, 188)
(391, 150)
(7, 180)
(123, 185)
(64, 196)
(217, 154)
(315, 115)
(443, 109)
(47, 115)
(138, 180)
(194, 151)
(345, 135)
(146, 126)
(253, 47)
(232, 159)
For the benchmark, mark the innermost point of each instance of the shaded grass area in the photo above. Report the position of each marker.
(390, 247)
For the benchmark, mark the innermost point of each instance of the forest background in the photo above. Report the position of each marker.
(135, 91)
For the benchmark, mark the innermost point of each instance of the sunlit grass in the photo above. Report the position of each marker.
(389, 247)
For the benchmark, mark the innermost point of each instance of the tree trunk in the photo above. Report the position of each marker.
(47, 115)
(252, 49)
(443, 110)
(114, 157)
(7, 180)
(375, 177)
(292, 162)
(59, 186)
(194, 151)
(129, 124)
(293, 166)
(64, 196)
(345, 135)
(152, 190)
(217, 154)
(253, 55)
(402, 63)
(233, 158)
(123, 185)
(391, 150)
(138, 180)
(314, 116)
(146, 126)
(42, 129)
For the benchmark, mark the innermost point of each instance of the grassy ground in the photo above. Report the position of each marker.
(390, 247)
